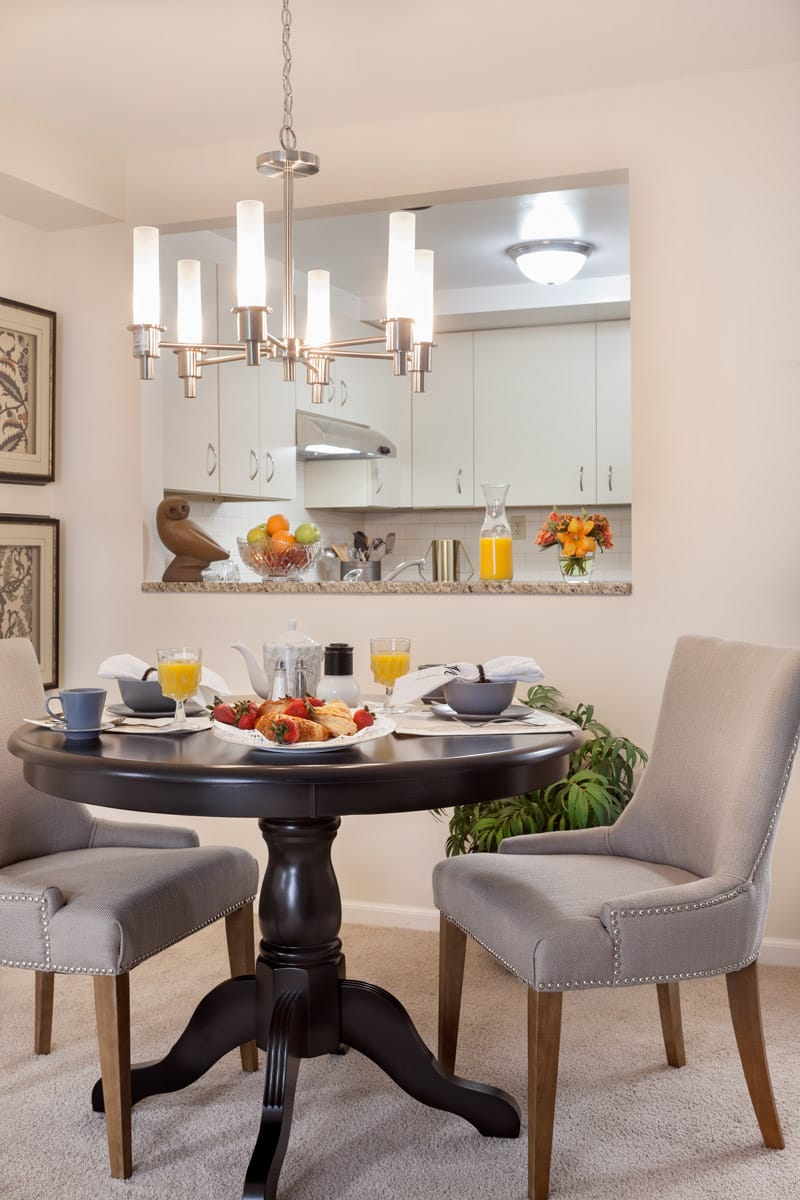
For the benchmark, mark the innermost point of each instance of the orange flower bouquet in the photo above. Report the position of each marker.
(578, 539)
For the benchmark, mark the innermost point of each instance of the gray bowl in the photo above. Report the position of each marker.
(479, 699)
(145, 695)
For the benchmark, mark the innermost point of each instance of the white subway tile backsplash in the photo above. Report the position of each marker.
(414, 531)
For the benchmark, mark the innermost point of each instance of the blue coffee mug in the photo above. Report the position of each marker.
(81, 708)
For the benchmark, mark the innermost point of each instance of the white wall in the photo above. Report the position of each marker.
(714, 179)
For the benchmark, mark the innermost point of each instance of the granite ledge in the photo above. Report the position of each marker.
(531, 587)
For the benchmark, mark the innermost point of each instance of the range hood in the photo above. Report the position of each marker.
(321, 438)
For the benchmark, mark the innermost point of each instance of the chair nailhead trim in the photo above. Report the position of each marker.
(48, 965)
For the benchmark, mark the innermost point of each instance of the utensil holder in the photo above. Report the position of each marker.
(370, 571)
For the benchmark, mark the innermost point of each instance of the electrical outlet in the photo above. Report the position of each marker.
(518, 526)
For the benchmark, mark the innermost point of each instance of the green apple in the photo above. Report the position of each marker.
(306, 534)
(257, 535)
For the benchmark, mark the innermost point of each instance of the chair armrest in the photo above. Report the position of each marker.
(25, 913)
(704, 927)
(560, 841)
(146, 837)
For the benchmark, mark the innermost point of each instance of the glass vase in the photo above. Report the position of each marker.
(496, 559)
(576, 570)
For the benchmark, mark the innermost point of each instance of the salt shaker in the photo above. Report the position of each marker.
(300, 686)
(280, 688)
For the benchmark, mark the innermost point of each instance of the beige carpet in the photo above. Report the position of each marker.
(627, 1126)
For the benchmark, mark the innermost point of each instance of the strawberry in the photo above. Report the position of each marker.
(223, 713)
(286, 731)
(247, 720)
(363, 718)
(314, 701)
(296, 708)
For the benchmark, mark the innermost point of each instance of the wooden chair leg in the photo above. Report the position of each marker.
(113, 1014)
(240, 933)
(745, 1004)
(43, 1018)
(669, 1008)
(544, 1038)
(452, 949)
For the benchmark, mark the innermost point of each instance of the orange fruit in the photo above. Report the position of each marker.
(282, 538)
(276, 524)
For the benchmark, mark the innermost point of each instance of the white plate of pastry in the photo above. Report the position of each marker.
(327, 728)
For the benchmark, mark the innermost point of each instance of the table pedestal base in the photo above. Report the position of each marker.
(300, 1005)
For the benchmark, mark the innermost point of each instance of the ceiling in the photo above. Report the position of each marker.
(469, 238)
(168, 73)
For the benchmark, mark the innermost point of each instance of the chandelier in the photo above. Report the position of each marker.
(408, 325)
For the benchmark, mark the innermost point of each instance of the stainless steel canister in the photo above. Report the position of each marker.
(445, 559)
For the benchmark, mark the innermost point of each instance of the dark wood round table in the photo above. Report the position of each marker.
(299, 1003)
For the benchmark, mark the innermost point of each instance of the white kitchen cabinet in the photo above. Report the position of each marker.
(256, 418)
(442, 423)
(191, 426)
(613, 412)
(535, 413)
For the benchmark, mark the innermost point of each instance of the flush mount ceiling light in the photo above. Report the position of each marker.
(550, 260)
(408, 323)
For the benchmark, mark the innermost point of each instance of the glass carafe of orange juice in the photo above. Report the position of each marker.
(495, 546)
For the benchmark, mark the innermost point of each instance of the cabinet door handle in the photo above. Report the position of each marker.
(211, 464)
(580, 479)
(269, 467)
(253, 464)
(459, 473)
(610, 484)
(378, 480)
(343, 390)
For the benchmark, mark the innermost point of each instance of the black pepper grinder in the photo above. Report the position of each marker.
(339, 682)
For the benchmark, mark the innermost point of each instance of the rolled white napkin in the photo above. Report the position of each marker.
(508, 667)
(128, 666)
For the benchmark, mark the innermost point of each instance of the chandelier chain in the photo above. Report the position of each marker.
(288, 135)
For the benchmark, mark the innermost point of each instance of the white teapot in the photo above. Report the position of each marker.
(291, 647)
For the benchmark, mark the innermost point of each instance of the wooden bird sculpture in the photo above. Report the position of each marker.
(193, 549)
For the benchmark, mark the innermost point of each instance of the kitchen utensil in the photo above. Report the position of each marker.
(340, 550)
(367, 571)
(361, 544)
(390, 539)
(375, 545)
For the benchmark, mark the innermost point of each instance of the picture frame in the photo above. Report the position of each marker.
(27, 392)
(29, 587)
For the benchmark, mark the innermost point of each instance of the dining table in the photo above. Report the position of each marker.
(300, 1002)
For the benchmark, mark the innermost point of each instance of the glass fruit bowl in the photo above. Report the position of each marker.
(270, 560)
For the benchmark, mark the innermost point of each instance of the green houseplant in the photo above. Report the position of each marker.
(598, 785)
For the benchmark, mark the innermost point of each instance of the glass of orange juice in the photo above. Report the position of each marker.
(389, 658)
(179, 676)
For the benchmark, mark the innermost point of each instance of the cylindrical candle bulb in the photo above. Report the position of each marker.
(400, 277)
(423, 309)
(146, 292)
(190, 302)
(251, 263)
(318, 308)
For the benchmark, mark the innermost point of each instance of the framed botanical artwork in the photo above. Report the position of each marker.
(29, 587)
(27, 392)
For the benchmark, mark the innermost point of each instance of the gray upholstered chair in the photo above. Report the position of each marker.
(676, 890)
(94, 897)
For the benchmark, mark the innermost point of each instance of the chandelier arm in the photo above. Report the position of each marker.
(202, 346)
(224, 358)
(365, 353)
(370, 341)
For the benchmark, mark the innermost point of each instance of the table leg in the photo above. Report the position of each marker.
(375, 1023)
(306, 1007)
(223, 1020)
